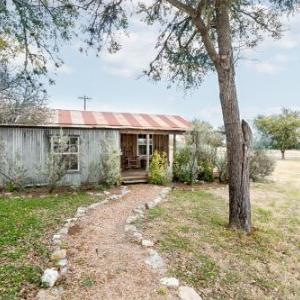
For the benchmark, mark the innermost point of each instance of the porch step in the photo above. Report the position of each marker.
(134, 179)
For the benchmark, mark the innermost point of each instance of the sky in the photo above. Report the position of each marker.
(268, 78)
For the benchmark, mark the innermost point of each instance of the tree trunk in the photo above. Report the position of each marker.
(238, 135)
(282, 154)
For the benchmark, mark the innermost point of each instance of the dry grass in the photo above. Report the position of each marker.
(191, 232)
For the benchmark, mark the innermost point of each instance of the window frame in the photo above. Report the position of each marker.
(151, 143)
(63, 153)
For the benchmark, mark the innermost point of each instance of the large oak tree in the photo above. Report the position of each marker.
(197, 36)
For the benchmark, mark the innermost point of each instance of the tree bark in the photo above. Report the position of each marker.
(238, 135)
(282, 154)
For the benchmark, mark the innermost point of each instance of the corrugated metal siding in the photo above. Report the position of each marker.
(30, 147)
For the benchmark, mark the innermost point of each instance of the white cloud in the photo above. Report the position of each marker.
(272, 65)
(135, 55)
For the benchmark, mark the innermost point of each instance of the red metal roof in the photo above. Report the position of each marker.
(92, 119)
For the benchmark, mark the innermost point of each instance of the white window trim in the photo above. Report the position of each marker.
(68, 153)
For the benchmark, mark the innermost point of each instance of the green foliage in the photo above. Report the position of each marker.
(222, 167)
(159, 168)
(261, 165)
(185, 166)
(206, 172)
(13, 174)
(25, 227)
(198, 158)
(283, 130)
(110, 163)
(56, 164)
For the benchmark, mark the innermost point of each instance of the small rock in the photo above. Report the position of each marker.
(50, 294)
(130, 228)
(138, 211)
(150, 204)
(170, 282)
(136, 236)
(64, 270)
(59, 254)
(56, 237)
(188, 293)
(114, 197)
(62, 263)
(106, 193)
(56, 242)
(50, 277)
(147, 243)
(132, 219)
(63, 231)
(95, 205)
(154, 260)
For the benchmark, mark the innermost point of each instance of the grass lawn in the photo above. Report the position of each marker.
(26, 227)
(191, 233)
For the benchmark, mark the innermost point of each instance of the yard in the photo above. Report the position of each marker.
(26, 227)
(189, 230)
(191, 233)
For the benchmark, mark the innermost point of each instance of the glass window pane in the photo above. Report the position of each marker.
(142, 150)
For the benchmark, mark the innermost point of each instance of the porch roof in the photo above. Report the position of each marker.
(93, 119)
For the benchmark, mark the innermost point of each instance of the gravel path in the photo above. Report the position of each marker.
(118, 270)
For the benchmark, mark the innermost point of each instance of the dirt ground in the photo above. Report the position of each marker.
(103, 264)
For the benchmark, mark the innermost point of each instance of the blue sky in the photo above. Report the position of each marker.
(268, 78)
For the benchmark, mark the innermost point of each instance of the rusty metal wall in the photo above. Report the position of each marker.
(29, 148)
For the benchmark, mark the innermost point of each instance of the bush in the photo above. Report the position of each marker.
(206, 172)
(221, 164)
(185, 165)
(261, 165)
(110, 165)
(159, 168)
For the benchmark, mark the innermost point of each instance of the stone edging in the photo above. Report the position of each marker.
(59, 259)
(154, 260)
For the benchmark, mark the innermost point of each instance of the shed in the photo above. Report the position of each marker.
(26, 148)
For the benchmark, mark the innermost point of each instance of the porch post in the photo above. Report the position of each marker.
(148, 152)
(174, 145)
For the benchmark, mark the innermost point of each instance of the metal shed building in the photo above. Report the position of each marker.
(26, 148)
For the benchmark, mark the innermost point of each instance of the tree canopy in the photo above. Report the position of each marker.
(283, 129)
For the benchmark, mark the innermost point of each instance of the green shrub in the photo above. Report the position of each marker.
(221, 164)
(261, 165)
(159, 168)
(185, 167)
(110, 164)
(206, 172)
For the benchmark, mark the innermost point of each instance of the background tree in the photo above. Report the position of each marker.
(283, 129)
(21, 102)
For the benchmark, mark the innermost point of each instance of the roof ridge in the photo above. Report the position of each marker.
(116, 112)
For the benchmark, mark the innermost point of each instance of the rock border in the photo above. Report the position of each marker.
(154, 260)
(59, 267)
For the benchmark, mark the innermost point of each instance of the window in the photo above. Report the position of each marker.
(142, 144)
(66, 148)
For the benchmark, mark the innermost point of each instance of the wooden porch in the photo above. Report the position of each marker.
(137, 150)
